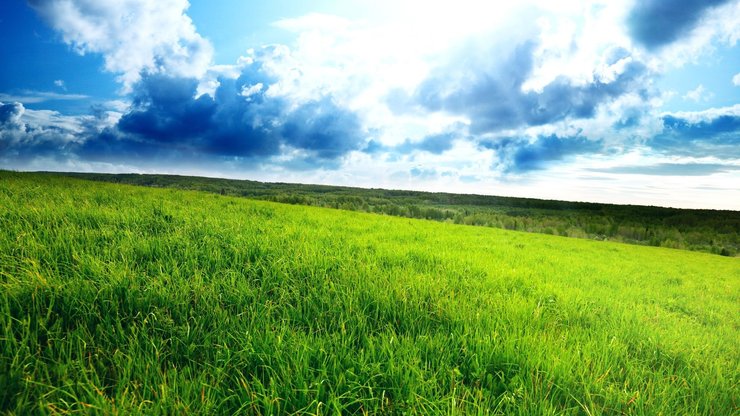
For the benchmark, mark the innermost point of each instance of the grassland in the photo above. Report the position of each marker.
(710, 231)
(131, 300)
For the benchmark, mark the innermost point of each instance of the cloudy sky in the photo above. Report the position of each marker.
(608, 101)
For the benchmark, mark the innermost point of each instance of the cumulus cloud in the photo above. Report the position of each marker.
(322, 128)
(736, 80)
(656, 23)
(12, 129)
(169, 120)
(132, 35)
(165, 109)
(26, 134)
(493, 98)
(10, 115)
(317, 102)
(714, 132)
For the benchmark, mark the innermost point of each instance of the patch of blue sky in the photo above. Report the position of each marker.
(713, 73)
(250, 24)
(44, 73)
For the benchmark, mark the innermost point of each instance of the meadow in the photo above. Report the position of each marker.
(710, 231)
(119, 299)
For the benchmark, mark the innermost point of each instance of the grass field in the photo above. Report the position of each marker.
(710, 231)
(130, 300)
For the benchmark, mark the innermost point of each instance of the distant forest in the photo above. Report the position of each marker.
(711, 231)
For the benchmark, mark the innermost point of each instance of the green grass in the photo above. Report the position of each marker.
(130, 300)
(711, 231)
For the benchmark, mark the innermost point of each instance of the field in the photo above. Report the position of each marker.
(132, 300)
(710, 231)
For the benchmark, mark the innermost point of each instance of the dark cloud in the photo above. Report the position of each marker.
(672, 169)
(21, 142)
(246, 126)
(241, 120)
(10, 115)
(493, 100)
(165, 109)
(110, 145)
(656, 23)
(718, 136)
(324, 128)
(705, 129)
(169, 123)
(519, 155)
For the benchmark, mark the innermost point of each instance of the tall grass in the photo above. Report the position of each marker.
(119, 299)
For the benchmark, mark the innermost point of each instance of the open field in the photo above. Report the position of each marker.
(711, 231)
(132, 300)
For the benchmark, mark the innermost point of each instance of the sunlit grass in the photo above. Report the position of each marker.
(134, 300)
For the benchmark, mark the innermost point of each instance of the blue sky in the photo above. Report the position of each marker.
(623, 102)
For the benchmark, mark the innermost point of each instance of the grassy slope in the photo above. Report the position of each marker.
(700, 230)
(144, 300)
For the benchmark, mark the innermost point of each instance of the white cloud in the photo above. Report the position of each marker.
(720, 25)
(249, 90)
(119, 106)
(736, 80)
(34, 97)
(132, 35)
(698, 94)
(360, 62)
(209, 82)
(46, 119)
(578, 43)
(60, 83)
(42, 139)
(705, 115)
(28, 132)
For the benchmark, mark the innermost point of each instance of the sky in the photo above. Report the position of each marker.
(629, 102)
